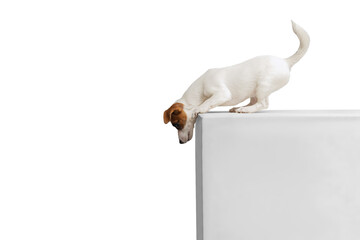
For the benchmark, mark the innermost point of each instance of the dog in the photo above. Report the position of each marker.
(256, 79)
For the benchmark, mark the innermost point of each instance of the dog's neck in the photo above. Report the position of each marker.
(192, 98)
(190, 102)
(187, 105)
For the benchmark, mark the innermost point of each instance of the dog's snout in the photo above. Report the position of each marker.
(181, 142)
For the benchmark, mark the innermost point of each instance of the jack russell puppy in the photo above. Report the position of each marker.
(256, 79)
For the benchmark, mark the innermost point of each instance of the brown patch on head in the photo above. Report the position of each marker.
(176, 115)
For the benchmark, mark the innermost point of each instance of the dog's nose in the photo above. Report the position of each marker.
(181, 142)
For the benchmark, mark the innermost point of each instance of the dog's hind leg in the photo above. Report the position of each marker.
(253, 100)
(259, 105)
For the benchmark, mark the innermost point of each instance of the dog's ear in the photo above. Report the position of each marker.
(166, 116)
(175, 109)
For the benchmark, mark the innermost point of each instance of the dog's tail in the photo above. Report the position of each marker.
(304, 44)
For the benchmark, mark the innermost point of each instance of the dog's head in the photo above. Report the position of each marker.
(183, 120)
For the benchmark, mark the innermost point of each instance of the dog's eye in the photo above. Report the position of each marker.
(177, 126)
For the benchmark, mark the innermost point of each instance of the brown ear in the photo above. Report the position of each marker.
(176, 108)
(167, 116)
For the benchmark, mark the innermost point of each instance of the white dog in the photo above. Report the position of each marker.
(256, 79)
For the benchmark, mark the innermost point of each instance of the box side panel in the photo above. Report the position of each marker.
(199, 181)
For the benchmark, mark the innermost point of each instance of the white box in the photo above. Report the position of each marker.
(278, 175)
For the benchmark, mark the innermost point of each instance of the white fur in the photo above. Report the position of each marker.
(256, 79)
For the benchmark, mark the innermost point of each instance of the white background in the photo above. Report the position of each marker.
(84, 152)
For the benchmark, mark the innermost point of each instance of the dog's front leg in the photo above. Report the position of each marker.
(215, 100)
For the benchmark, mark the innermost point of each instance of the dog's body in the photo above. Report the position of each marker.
(256, 79)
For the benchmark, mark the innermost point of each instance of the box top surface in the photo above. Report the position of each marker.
(283, 113)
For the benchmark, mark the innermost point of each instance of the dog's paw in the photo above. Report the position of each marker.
(238, 110)
(241, 110)
(194, 115)
(233, 110)
(198, 111)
